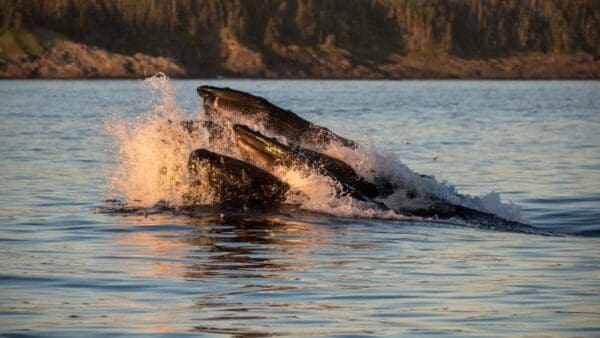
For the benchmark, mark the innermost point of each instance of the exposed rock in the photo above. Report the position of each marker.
(239, 59)
(301, 38)
(66, 59)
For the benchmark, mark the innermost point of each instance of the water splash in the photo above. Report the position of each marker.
(152, 152)
(372, 163)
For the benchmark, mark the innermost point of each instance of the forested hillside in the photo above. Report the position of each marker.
(301, 38)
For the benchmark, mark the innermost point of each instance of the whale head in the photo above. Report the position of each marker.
(229, 103)
(256, 147)
(234, 183)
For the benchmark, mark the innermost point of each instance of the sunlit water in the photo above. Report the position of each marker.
(67, 269)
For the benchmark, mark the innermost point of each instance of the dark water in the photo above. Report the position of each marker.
(67, 269)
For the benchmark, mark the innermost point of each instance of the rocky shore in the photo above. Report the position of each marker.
(401, 39)
(64, 59)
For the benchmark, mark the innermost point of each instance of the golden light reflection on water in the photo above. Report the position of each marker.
(240, 248)
(282, 271)
(278, 274)
(215, 245)
(65, 268)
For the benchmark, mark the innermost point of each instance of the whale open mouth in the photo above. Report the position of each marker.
(226, 100)
(223, 93)
(240, 107)
(205, 91)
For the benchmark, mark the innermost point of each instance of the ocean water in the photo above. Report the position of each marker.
(72, 264)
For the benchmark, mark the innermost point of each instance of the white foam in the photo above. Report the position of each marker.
(371, 163)
(152, 151)
(152, 154)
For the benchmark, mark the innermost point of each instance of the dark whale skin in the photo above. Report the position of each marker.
(255, 146)
(229, 104)
(291, 155)
(234, 105)
(235, 183)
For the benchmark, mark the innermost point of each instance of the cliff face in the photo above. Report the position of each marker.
(309, 38)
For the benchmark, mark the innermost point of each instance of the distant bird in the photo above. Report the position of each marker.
(435, 158)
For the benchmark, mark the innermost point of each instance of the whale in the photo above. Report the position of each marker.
(230, 106)
(233, 183)
(241, 107)
(295, 142)
(270, 153)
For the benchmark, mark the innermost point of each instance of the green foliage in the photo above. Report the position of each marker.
(190, 30)
(18, 41)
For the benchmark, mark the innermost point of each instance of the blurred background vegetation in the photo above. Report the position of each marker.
(302, 38)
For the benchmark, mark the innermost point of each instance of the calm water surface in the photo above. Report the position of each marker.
(68, 270)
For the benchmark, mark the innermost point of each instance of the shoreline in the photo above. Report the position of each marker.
(293, 79)
(63, 59)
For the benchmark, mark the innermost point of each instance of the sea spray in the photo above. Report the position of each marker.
(152, 153)
(313, 191)
(413, 190)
